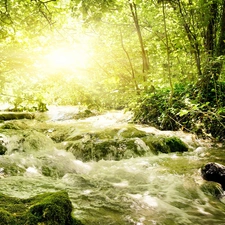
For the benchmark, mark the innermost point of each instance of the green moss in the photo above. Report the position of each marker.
(165, 144)
(131, 132)
(10, 125)
(128, 132)
(15, 115)
(175, 144)
(84, 114)
(47, 209)
(7, 218)
(212, 188)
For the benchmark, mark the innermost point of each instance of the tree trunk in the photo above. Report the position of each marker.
(192, 37)
(145, 59)
(168, 55)
(221, 43)
(131, 65)
(214, 50)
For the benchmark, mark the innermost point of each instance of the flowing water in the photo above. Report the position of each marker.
(162, 189)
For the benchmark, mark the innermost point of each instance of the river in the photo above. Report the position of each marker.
(163, 189)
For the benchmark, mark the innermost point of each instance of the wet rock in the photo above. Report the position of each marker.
(10, 168)
(3, 142)
(14, 125)
(213, 189)
(114, 146)
(126, 132)
(24, 141)
(108, 149)
(70, 134)
(163, 144)
(16, 115)
(84, 114)
(3, 149)
(47, 209)
(35, 141)
(214, 172)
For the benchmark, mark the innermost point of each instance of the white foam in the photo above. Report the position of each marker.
(145, 199)
(121, 184)
(81, 167)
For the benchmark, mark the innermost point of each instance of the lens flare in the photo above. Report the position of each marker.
(68, 58)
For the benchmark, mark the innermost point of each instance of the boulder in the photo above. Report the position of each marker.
(3, 142)
(116, 147)
(47, 209)
(163, 144)
(214, 172)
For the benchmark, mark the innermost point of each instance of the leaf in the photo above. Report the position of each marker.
(183, 112)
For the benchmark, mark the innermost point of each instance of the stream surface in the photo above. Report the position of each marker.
(164, 189)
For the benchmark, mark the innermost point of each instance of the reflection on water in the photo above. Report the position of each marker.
(157, 190)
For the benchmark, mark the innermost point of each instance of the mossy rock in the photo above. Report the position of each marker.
(10, 126)
(84, 114)
(10, 168)
(165, 144)
(212, 188)
(175, 144)
(115, 133)
(16, 115)
(25, 141)
(128, 132)
(108, 149)
(46, 209)
(34, 141)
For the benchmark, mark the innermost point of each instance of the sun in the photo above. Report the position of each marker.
(66, 58)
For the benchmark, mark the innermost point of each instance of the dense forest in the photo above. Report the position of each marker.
(163, 60)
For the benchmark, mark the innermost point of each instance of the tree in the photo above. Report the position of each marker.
(204, 24)
(145, 59)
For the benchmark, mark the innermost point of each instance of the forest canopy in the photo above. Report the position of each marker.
(162, 59)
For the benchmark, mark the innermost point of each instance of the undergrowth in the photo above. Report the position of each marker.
(189, 110)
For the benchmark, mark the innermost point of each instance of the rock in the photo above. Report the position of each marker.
(15, 125)
(214, 172)
(16, 115)
(23, 141)
(163, 144)
(3, 142)
(116, 147)
(84, 114)
(3, 149)
(47, 209)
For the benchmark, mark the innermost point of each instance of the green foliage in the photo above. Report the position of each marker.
(187, 112)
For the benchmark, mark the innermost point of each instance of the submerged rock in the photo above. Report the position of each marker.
(214, 172)
(84, 114)
(24, 141)
(47, 209)
(213, 189)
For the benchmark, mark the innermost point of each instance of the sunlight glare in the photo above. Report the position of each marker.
(68, 58)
